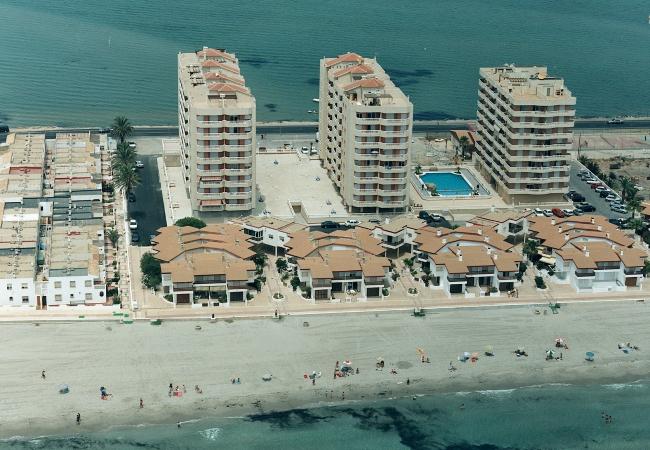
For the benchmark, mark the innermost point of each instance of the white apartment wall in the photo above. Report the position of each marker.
(72, 294)
(12, 292)
(274, 238)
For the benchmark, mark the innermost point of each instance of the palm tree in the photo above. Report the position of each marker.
(121, 128)
(627, 188)
(124, 156)
(464, 145)
(113, 236)
(633, 205)
(125, 178)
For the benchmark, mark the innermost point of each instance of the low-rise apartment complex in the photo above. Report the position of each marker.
(589, 253)
(52, 229)
(216, 119)
(467, 258)
(365, 127)
(525, 123)
(207, 266)
(344, 262)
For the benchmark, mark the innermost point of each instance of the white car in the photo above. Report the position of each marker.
(600, 189)
(538, 212)
(593, 181)
(131, 144)
(439, 140)
(139, 164)
(619, 209)
(352, 222)
(133, 224)
(611, 197)
(568, 212)
(547, 212)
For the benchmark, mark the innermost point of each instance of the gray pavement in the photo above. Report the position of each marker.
(148, 209)
(591, 196)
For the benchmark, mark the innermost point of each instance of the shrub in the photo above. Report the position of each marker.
(257, 284)
(384, 292)
(190, 222)
(539, 282)
(426, 279)
(395, 276)
(295, 282)
(249, 296)
(282, 265)
(412, 291)
(493, 289)
(168, 297)
(260, 260)
(150, 267)
(408, 263)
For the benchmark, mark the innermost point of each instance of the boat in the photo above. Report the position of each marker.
(155, 321)
(315, 100)
(615, 121)
(311, 111)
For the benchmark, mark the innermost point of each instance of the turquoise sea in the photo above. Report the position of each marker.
(80, 62)
(544, 417)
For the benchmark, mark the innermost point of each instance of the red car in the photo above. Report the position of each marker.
(558, 212)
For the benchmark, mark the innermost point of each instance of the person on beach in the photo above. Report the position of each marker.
(313, 381)
(141, 404)
(43, 374)
(184, 390)
(197, 389)
(408, 381)
(78, 418)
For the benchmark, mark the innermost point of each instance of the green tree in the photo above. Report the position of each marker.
(150, 267)
(530, 248)
(123, 156)
(295, 282)
(633, 205)
(260, 260)
(113, 236)
(646, 268)
(282, 265)
(464, 145)
(190, 222)
(122, 128)
(125, 178)
(627, 188)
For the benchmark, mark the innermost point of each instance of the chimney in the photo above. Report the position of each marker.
(552, 221)
(487, 238)
(566, 236)
(607, 235)
(593, 220)
(480, 231)
(587, 253)
(205, 53)
(438, 232)
(444, 241)
(600, 228)
(495, 256)
(460, 255)
(584, 248)
(621, 252)
(559, 229)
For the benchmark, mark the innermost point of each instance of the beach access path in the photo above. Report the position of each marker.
(140, 361)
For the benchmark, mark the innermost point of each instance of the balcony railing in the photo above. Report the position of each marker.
(584, 273)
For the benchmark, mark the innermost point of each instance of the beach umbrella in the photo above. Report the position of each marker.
(267, 377)
(347, 362)
(64, 389)
(589, 356)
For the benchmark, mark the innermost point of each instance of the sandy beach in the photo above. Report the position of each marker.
(140, 361)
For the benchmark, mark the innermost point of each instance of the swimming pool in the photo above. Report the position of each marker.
(447, 183)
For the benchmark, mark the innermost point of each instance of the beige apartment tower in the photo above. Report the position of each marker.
(525, 120)
(216, 118)
(365, 126)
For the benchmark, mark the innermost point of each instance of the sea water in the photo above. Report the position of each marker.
(541, 417)
(81, 62)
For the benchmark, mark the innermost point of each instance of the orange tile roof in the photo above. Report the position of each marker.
(227, 87)
(212, 52)
(220, 76)
(230, 68)
(173, 241)
(586, 255)
(348, 57)
(433, 240)
(458, 260)
(369, 83)
(304, 243)
(358, 69)
(555, 233)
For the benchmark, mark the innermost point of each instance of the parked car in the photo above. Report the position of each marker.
(557, 212)
(618, 221)
(135, 237)
(619, 209)
(329, 224)
(131, 197)
(568, 212)
(352, 222)
(595, 186)
(374, 220)
(139, 164)
(605, 193)
(133, 224)
(578, 212)
(601, 188)
(615, 121)
(577, 197)
(132, 144)
(538, 212)
(586, 207)
(611, 197)
(548, 212)
(594, 181)
(424, 215)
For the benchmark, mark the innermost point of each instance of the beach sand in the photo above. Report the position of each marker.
(139, 361)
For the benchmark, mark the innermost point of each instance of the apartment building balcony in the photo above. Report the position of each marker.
(392, 203)
(392, 157)
(480, 272)
(235, 195)
(365, 179)
(225, 123)
(238, 206)
(456, 278)
(362, 203)
(320, 283)
(392, 169)
(544, 147)
(633, 271)
(506, 276)
(365, 191)
(240, 172)
(544, 114)
(238, 183)
(585, 273)
(208, 172)
(238, 159)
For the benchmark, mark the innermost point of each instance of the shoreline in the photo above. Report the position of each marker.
(251, 413)
(139, 361)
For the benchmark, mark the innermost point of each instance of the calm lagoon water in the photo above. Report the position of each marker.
(80, 62)
(545, 417)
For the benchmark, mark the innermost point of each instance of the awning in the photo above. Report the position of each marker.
(550, 260)
(215, 202)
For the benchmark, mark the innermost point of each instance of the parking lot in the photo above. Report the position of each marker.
(148, 208)
(591, 196)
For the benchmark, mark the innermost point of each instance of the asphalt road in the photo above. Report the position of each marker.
(591, 196)
(148, 208)
(418, 127)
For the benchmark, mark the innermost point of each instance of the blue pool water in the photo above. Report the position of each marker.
(447, 183)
